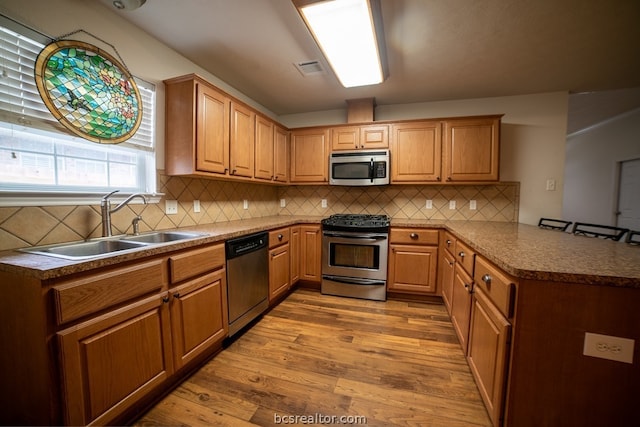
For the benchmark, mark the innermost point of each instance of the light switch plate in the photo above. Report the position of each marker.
(171, 207)
(452, 204)
(245, 204)
(324, 203)
(429, 204)
(473, 205)
(283, 203)
(196, 206)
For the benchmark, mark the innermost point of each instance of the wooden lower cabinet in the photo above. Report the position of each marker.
(198, 316)
(279, 270)
(447, 274)
(110, 362)
(461, 305)
(412, 269)
(294, 254)
(488, 351)
(310, 253)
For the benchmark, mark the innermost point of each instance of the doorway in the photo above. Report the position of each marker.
(628, 212)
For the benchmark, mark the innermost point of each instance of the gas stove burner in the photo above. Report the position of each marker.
(356, 222)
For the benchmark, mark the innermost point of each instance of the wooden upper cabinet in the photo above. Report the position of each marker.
(359, 137)
(197, 127)
(281, 155)
(415, 152)
(272, 151)
(310, 156)
(242, 137)
(264, 148)
(471, 149)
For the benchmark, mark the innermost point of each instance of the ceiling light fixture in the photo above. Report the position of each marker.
(349, 33)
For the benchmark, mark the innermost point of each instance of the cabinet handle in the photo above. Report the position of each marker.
(461, 254)
(176, 295)
(448, 242)
(165, 300)
(448, 179)
(226, 170)
(438, 178)
(233, 172)
(414, 235)
(450, 263)
(486, 279)
(467, 286)
(280, 236)
(275, 178)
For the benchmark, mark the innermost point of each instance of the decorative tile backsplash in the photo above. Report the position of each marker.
(493, 202)
(223, 201)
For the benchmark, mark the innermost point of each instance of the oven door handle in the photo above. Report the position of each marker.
(353, 280)
(369, 237)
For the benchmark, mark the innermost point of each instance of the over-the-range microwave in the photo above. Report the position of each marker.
(359, 167)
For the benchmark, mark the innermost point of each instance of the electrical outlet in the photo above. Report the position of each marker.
(608, 347)
(452, 204)
(283, 203)
(473, 205)
(551, 184)
(429, 204)
(171, 207)
(196, 206)
(324, 203)
(245, 204)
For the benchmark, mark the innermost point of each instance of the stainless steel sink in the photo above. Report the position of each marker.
(85, 250)
(161, 237)
(104, 247)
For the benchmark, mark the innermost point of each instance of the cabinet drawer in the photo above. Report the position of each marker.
(415, 236)
(278, 237)
(95, 292)
(497, 285)
(193, 263)
(465, 256)
(449, 242)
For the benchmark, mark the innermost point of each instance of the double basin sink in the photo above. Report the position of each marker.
(98, 248)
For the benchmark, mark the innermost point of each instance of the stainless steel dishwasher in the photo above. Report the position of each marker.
(247, 279)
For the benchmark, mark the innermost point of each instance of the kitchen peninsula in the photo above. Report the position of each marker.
(566, 286)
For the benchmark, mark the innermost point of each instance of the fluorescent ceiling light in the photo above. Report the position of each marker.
(345, 32)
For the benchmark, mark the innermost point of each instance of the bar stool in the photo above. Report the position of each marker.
(554, 224)
(597, 230)
(633, 238)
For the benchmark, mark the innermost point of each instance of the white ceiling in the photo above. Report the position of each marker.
(437, 50)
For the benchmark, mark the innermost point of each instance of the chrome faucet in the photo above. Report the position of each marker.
(105, 209)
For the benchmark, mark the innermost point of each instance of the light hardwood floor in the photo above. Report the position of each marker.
(394, 363)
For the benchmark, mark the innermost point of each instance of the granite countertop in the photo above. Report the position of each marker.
(521, 250)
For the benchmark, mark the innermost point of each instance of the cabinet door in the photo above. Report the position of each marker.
(472, 150)
(412, 269)
(199, 319)
(488, 353)
(212, 130)
(447, 276)
(294, 254)
(242, 141)
(110, 362)
(461, 305)
(416, 152)
(264, 148)
(374, 136)
(279, 269)
(281, 155)
(345, 138)
(310, 253)
(310, 156)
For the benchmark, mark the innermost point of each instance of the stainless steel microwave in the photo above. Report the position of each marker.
(361, 167)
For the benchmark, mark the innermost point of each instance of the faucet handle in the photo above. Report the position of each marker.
(106, 196)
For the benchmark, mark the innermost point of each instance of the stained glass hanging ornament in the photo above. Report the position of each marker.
(88, 91)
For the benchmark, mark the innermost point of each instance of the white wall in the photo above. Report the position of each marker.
(533, 130)
(533, 138)
(591, 170)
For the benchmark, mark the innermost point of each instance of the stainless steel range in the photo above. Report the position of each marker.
(354, 256)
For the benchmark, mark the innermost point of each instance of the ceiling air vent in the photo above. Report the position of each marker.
(309, 68)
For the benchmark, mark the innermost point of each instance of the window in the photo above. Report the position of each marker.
(39, 156)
